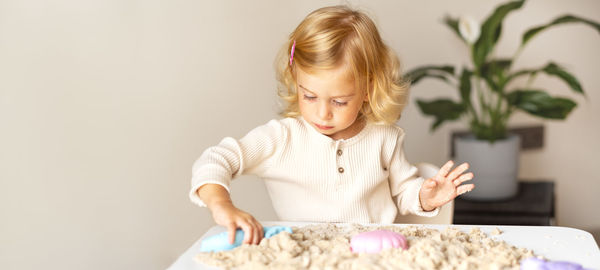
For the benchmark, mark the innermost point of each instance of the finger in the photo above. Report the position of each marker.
(247, 233)
(231, 232)
(261, 232)
(464, 189)
(458, 171)
(463, 178)
(444, 170)
(254, 233)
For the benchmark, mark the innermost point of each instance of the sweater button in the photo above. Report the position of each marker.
(341, 170)
(339, 152)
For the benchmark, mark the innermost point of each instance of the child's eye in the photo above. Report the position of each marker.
(309, 97)
(339, 103)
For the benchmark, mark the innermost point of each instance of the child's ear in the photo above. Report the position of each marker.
(369, 87)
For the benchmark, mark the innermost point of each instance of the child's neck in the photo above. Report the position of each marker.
(351, 131)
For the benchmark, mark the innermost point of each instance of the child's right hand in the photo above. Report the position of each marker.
(225, 214)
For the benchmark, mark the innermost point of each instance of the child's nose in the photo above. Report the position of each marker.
(324, 111)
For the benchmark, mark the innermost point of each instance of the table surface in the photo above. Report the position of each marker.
(553, 242)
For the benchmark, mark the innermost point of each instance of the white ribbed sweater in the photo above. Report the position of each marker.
(311, 177)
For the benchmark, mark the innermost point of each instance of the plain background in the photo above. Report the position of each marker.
(105, 105)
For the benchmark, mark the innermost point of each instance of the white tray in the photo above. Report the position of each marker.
(552, 242)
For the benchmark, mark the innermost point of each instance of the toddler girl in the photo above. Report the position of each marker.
(337, 156)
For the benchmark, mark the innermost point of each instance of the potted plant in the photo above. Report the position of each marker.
(488, 97)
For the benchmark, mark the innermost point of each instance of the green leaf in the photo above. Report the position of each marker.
(490, 31)
(497, 34)
(487, 132)
(493, 72)
(521, 73)
(453, 24)
(497, 64)
(560, 20)
(442, 110)
(439, 72)
(465, 86)
(539, 103)
(420, 76)
(551, 69)
(555, 70)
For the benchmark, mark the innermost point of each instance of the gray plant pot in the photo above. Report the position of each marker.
(495, 166)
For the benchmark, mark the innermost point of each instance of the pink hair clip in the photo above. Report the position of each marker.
(292, 53)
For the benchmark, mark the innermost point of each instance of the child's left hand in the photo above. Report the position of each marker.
(445, 186)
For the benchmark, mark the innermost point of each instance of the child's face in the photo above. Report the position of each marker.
(329, 101)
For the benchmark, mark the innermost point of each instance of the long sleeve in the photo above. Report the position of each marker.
(311, 177)
(230, 158)
(405, 182)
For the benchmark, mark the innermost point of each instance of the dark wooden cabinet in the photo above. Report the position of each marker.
(533, 205)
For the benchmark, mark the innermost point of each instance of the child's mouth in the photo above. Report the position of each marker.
(323, 127)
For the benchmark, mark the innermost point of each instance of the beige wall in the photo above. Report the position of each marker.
(104, 106)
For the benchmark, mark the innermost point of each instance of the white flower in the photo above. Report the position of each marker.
(469, 29)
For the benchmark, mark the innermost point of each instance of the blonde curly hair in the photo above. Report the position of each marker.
(333, 36)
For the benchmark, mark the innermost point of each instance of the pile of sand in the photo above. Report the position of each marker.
(327, 246)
